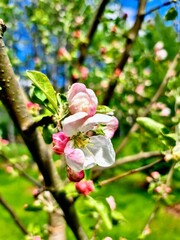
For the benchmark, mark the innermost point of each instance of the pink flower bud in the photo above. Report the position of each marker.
(81, 99)
(84, 72)
(4, 141)
(31, 105)
(117, 72)
(155, 175)
(59, 141)
(85, 187)
(63, 53)
(77, 34)
(112, 204)
(74, 176)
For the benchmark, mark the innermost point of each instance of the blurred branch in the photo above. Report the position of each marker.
(146, 229)
(133, 158)
(104, 182)
(131, 37)
(12, 97)
(84, 46)
(160, 6)
(45, 121)
(27, 176)
(20, 170)
(13, 215)
(156, 96)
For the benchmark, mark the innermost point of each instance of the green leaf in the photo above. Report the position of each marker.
(117, 217)
(33, 207)
(168, 139)
(47, 134)
(104, 109)
(171, 14)
(151, 126)
(101, 209)
(41, 81)
(177, 166)
(39, 97)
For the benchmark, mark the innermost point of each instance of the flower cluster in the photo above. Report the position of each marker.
(85, 135)
(159, 51)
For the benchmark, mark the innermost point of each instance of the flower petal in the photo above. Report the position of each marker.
(72, 123)
(74, 157)
(102, 149)
(110, 121)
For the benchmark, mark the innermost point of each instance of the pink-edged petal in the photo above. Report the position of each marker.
(72, 124)
(98, 118)
(74, 157)
(81, 99)
(111, 127)
(102, 149)
(82, 102)
(74, 89)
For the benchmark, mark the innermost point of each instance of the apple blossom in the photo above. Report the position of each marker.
(81, 99)
(74, 176)
(84, 150)
(85, 187)
(59, 142)
(112, 204)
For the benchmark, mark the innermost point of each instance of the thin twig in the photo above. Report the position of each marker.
(104, 182)
(157, 206)
(159, 92)
(160, 6)
(27, 176)
(13, 215)
(92, 30)
(21, 171)
(128, 159)
(131, 37)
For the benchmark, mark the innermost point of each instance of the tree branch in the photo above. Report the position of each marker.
(159, 92)
(84, 46)
(13, 215)
(13, 99)
(132, 158)
(131, 37)
(104, 182)
(146, 228)
(160, 6)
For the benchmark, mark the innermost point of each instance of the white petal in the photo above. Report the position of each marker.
(89, 159)
(74, 157)
(95, 120)
(103, 151)
(72, 123)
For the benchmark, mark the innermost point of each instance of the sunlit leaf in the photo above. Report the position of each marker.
(171, 14)
(42, 82)
(151, 126)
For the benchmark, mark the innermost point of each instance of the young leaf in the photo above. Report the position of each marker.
(171, 14)
(41, 81)
(150, 125)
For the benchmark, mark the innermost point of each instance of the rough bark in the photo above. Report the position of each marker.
(14, 100)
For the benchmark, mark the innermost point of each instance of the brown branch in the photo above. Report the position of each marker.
(160, 6)
(157, 206)
(13, 215)
(84, 46)
(159, 92)
(14, 101)
(131, 37)
(104, 182)
(121, 161)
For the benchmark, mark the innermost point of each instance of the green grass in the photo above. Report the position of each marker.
(130, 195)
(17, 191)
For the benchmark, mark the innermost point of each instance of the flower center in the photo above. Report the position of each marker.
(80, 140)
